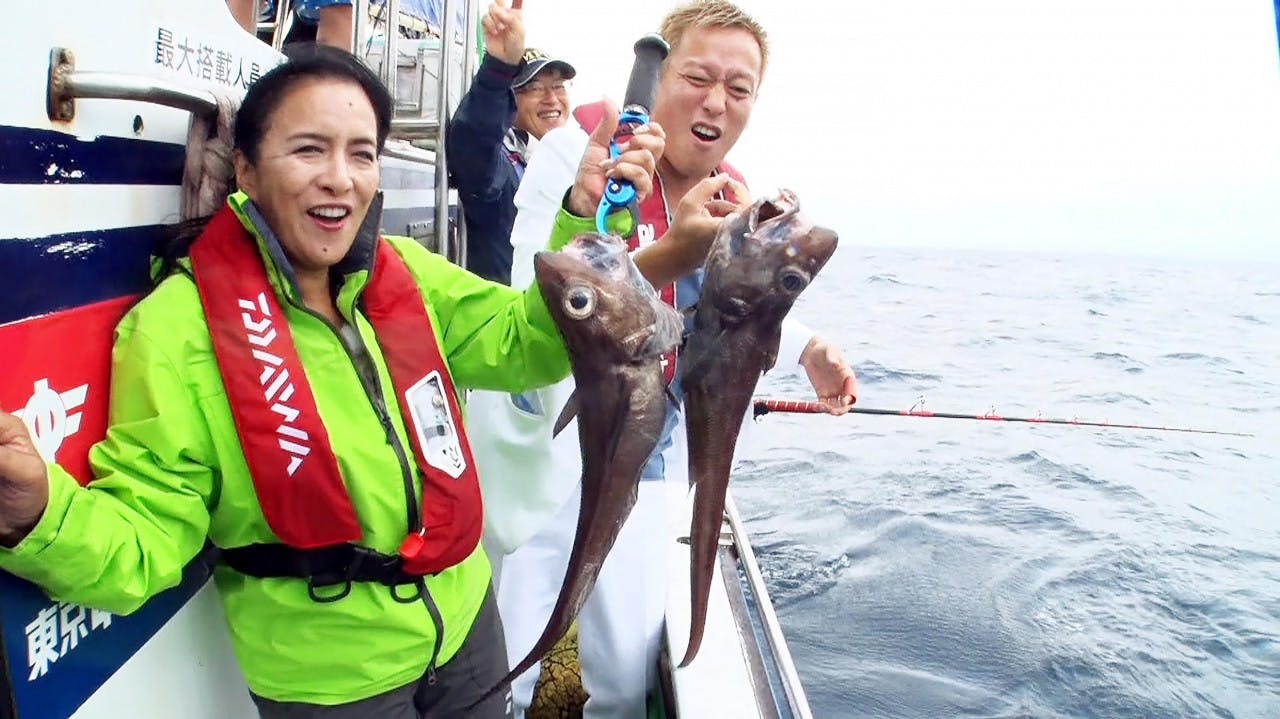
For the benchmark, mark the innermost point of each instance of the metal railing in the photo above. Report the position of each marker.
(281, 25)
(452, 241)
(768, 617)
(66, 85)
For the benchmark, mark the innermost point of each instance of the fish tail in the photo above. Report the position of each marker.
(713, 432)
(502, 684)
(569, 601)
(704, 541)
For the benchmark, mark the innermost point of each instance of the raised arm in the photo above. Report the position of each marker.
(477, 159)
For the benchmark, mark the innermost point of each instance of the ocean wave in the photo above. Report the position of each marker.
(1197, 357)
(871, 372)
(794, 572)
(1181, 454)
(1252, 410)
(1111, 398)
(887, 279)
(1022, 514)
(1068, 475)
(1108, 297)
(1118, 357)
(1069, 572)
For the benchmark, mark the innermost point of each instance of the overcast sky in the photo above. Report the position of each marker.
(1147, 126)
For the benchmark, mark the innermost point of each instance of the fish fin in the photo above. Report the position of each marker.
(771, 346)
(697, 357)
(567, 414)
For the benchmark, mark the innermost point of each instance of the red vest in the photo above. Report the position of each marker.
(284, 439)
(655, 215)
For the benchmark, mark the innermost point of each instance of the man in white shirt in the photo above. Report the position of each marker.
(707, 89)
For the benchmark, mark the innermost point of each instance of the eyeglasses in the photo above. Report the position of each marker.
(543, 88)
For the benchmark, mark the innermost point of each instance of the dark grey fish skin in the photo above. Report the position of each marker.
(760, 262)
(615, 329)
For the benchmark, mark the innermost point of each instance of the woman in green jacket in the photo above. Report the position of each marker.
(290, 393)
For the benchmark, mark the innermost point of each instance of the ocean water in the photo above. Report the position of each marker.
(942, 568)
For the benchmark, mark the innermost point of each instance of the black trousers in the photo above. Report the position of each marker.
(478, 665)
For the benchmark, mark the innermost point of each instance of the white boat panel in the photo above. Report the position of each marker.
(718, 683)
(42, 210)
(207, 686)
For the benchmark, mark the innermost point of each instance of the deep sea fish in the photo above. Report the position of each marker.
(762, 259)
(616, 330)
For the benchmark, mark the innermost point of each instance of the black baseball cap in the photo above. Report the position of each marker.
(535, 61)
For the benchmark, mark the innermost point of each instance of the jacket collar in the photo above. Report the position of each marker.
(517, 144)
(354, 267)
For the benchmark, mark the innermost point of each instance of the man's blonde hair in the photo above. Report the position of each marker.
(713, 14)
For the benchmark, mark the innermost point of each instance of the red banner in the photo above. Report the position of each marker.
(55, 373)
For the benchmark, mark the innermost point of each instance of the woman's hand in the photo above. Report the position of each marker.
(636, 163)
(24, 481)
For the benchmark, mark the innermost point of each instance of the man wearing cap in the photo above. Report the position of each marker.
(518, 94)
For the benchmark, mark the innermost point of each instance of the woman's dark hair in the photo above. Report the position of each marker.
(306, 61)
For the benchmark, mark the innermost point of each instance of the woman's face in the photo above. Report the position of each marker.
(317, 170)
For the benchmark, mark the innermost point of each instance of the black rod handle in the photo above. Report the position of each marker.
(650, 50)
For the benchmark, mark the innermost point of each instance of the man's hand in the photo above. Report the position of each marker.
(636, 163)
(700, 213)
(504, 32)
(697, 221)
(833, 380)
(24, 481)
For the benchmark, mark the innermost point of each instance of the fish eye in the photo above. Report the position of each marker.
(579, 302)
(793, 280)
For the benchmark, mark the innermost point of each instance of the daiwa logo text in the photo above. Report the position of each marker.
(49, 416)
(644, 234)
(276, 385)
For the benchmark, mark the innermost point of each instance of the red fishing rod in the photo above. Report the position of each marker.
(764, 406)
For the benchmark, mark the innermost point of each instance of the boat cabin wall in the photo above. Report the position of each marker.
(85, 201)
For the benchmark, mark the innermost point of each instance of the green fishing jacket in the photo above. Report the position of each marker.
(170, 472)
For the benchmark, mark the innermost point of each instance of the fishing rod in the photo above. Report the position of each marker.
(764, 406)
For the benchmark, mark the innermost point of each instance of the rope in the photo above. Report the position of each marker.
(208, 174)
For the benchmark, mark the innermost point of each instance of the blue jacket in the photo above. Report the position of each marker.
(484, 169)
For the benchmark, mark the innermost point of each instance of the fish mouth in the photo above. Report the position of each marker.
(785, 205)
(549, 269)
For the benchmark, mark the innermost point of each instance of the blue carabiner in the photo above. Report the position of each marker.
(618, 194)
